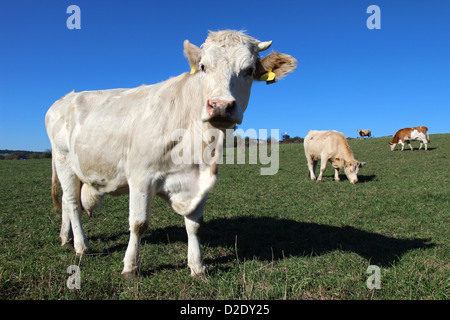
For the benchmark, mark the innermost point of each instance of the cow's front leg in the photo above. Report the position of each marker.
(336, 175)
(140, 202)
(193, 223)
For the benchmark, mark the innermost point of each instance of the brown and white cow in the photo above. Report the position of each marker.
(407, 134)
(364, 133)
(330, 146)
(121, 140)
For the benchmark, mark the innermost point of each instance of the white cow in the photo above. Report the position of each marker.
(121, 140)
(333, 147)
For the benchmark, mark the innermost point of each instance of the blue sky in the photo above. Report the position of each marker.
(349, 77)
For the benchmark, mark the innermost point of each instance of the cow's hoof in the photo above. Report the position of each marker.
(68, 244)
(133, 273)
(199, 273)
(83, 252)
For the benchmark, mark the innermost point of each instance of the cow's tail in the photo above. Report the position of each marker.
(55, 189)
(428, 136)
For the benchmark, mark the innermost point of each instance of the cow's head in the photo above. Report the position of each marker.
(393, 145)
(351, 170)
(227, 64)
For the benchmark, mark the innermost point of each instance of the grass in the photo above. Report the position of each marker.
(264, 237)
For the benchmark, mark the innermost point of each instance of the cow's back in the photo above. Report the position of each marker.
(422, 129)
(318, 142)
(313, 144)
(90, 112)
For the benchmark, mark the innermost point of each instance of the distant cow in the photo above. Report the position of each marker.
(333, 147)
(364, 133)
(122, 140)
(408, 134)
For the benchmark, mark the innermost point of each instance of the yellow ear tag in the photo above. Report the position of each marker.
(268, 76)
(192, 70)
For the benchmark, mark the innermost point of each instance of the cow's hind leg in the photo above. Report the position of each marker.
(311, 168)
(423, 142)
(140, 203)
(66, 234)
(193, 223)
(71, 209)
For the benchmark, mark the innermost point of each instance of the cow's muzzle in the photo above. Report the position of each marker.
(221, 112)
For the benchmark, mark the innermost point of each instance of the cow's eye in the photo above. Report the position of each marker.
(248, 72)
(202, 67)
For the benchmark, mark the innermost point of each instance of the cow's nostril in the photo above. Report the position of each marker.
(230, 107)
(220, 108)
(211, 106)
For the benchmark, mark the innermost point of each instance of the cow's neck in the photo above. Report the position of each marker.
(184, 96)
(345, 154)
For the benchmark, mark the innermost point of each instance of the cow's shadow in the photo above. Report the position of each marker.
(343, 178)
(416, 149)
(270, 238)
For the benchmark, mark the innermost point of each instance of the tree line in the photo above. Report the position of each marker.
(24, 155)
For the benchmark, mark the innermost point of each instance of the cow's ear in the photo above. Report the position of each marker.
(193, 54)
(361, 164)
(274, 67)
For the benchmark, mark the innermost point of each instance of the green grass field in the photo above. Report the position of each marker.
(264, 237)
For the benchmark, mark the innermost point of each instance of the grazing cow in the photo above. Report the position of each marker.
(333, 147)
(364, 133)
(122, 140)
(408, 134)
